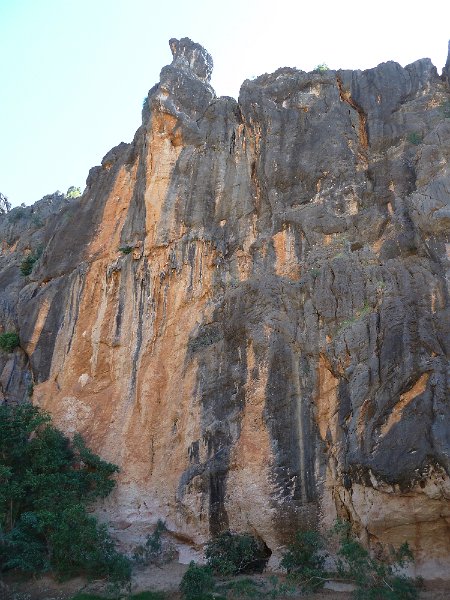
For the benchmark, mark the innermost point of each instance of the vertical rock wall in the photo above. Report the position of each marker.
(269, 348)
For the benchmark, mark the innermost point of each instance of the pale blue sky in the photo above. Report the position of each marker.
(73, 73)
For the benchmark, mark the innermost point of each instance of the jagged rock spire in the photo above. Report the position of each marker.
(187, 53)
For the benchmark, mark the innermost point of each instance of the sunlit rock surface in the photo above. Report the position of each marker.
(247, 309)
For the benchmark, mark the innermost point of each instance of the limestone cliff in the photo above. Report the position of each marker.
(247, 309)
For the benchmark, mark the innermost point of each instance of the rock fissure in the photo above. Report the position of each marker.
(363, 139)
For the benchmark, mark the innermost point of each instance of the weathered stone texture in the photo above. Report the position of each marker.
(273, 351)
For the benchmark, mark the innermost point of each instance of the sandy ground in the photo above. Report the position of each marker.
(166, 578)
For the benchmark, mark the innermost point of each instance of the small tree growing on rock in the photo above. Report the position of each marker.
(8, 341)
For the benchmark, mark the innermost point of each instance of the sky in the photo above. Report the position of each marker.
(74, 73)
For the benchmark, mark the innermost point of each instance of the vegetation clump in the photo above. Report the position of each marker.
(126, 249)
(17, 213)
(27, 264)
(73, 192)
(153, 551)
(48, 482)
(322, 68)
(234, 554)
(242, 588)
(197, 583)
(46, 485)
(414, 138)
(376, 578)
(9, 340)
(304, 560)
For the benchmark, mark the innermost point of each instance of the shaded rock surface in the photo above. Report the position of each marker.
(247, 309)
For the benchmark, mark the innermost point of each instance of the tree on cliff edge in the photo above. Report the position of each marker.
(46, 484)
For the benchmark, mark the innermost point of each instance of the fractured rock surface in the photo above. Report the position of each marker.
(247, 309)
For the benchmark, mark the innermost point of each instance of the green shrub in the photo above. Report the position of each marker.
(126, 249)
(304, 560)
(27, 264)
(73, 192)
(37, 221)
(360, 313)
(415, 138)
(375, 578)
(197, 583)
(152, 552)
(46, 485)
(322, 68)
(9, 341)
(279, 588)
(233, 554)
(16, 214)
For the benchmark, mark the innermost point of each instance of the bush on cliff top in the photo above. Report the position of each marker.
(73, 192)
(46, 484)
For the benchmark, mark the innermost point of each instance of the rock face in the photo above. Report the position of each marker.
(247, 309)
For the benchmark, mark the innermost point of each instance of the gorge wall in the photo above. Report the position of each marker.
(247, 309)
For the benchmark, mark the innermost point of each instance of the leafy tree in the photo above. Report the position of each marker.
(46, 484)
